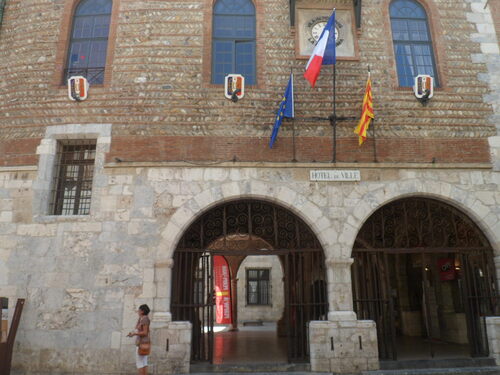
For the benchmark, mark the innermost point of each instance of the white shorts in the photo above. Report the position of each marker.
(140, 360)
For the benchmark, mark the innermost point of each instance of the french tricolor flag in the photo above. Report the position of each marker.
(323, 53)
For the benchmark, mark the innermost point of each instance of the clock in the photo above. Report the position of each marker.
(315, 27)
(310, 23)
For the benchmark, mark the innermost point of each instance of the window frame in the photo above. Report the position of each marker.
(438, 80)
(208, 57)
(63, 44)
(72, 40)
(57, 204)
(258, 290)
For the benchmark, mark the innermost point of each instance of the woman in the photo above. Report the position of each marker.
(142, 333)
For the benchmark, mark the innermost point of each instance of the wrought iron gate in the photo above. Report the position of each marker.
(426, 229)
(372, 299)
(231, 230)
(305, 299)
(480, 298)
(193, 299)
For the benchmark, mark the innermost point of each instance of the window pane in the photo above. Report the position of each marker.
(407, 9)
(223, 60)
(97, 56)
(93, 7)
(101, 26)
(231, 27)
(79, 54)
(400, 30)
(234, 7)
(404, 65)
(245, 61)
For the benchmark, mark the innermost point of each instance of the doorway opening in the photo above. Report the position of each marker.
(424, 272)
(274, 275)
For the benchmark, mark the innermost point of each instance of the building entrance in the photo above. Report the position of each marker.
(238, 231)
(423, 271)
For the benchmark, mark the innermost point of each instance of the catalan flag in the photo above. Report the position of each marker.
(366, 114)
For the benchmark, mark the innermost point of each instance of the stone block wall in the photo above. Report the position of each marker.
(493, 330)
(268, 313)
(84, 276)
(343, 346)
(171, 350)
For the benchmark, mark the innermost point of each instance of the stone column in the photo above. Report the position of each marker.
(495, 151)
(340, 289)
(493, 333)
(163, 281)
(497, 269)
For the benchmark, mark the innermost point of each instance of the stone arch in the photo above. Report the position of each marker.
(463, 200)
(298, 204)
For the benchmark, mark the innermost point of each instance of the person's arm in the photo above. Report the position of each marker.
(144, 331)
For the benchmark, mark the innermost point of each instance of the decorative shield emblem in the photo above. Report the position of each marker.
(78, 88)
(234, 87)
(424, 86)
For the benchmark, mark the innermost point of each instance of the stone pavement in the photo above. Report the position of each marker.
(433, 371)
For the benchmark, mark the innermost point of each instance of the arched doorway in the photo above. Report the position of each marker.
(424, 272)
(237, 230)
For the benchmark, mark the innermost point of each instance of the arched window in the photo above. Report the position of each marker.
(89, 40)
(412, 42)
(233, 40)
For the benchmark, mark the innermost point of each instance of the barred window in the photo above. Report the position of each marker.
(73, 181)
(412, 42)
(89, 40)
(233, 40)
(258, 287)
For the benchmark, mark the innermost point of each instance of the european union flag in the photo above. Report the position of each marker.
(286, 110)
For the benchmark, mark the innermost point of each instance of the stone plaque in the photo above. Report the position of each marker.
(310, 24)
(334, 175)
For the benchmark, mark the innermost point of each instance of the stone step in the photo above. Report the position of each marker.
(490, 370)
(437, 363)
(254, 368)
(265, 373)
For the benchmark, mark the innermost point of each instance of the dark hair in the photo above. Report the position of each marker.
(145, 309)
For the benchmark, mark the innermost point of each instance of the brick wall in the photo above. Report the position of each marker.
(158, 97)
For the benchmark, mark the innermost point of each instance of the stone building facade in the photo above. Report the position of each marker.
(170, 147)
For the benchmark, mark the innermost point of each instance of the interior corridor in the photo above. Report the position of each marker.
(251, 344)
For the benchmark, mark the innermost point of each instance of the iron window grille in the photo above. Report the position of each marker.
(258, 287)
(89, 41)
(73, 180)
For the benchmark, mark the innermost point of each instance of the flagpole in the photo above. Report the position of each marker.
(294, 156)
(373, 128)
(334, 117)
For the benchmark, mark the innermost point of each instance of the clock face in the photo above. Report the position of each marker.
(315, 27)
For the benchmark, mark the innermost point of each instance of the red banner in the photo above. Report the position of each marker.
(446, 269)
(222, 290)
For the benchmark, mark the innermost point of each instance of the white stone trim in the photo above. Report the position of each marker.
(464, 200)
(185, 215)
(47, 154)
